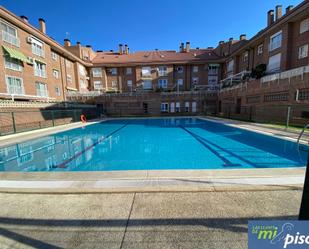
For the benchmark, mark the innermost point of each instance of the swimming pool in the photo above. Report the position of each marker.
(151, 144)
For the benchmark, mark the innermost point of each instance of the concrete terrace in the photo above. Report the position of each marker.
(139, 220)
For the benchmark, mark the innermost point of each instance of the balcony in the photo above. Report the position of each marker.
(7, 37)
(300, 71)
(235, 79)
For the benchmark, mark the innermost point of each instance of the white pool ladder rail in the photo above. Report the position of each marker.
(302, 133)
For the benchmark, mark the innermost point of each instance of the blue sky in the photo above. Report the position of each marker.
(147, 25)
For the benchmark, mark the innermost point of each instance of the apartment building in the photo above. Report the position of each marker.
(35, 67)
(156, 70)
(272, 68)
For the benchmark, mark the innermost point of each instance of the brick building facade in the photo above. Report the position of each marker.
(270, 68)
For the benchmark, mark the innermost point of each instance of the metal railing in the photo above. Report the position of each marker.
(285, 116)
(20, 121)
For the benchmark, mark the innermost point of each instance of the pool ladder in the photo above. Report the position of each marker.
(301, 134)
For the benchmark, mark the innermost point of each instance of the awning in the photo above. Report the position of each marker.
(71, 88)
(16, 54)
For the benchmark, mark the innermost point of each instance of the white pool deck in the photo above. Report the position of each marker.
(152, 180)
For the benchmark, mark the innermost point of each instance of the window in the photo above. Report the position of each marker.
(245, 56)
(177, 107)
(179, 69)
(97, 85)
(68, 63)
(147, 84)
(162, 71)
(194, 106)
(81, 70)
(9, 34)
(55, 73)
(275, 41)
(146, 71)
(57, 91)
(304, 26)
(260, 49)
(187, 107)
(276, 97)
(96, 72)
(39, 69)
(12, 63)
(82, 83)
(303, 94)
(114, 84)
(172, 107)
(37, 47)
(195, 80)
(213, 69)
(69, 78)
(164, 107)
(113, 71)
(230, 68)
(14, 85)
(129, 83)
(195, 69)
(180, 82)
(212, 80)
(54, 56)
(303, 51)
(274, 63)
(162, 83)
(128, 70)
(41, 89)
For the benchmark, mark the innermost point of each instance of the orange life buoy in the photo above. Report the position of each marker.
(83, 118)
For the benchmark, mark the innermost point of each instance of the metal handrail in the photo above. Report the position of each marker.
(301, 134)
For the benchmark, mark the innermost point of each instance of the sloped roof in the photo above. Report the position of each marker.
(157, 56)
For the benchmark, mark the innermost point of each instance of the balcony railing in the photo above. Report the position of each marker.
(10, 38)
(300, 71)
(234, 79)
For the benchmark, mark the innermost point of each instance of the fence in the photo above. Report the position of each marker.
(296, 115)
(20, 121)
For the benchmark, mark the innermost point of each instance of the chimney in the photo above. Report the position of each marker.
(67, 43)
(221, 42)
(126, 49)
(187, 47)
(120, 50)
(24, 18)
(42, 25)
(231, 39)
(278, 12)
(182, 47)
(78, 44)
(270, 17)
(88, 46)
(288, 9)
(242, 37)
(111, 51)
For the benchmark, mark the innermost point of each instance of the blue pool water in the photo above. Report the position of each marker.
(151, 144)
